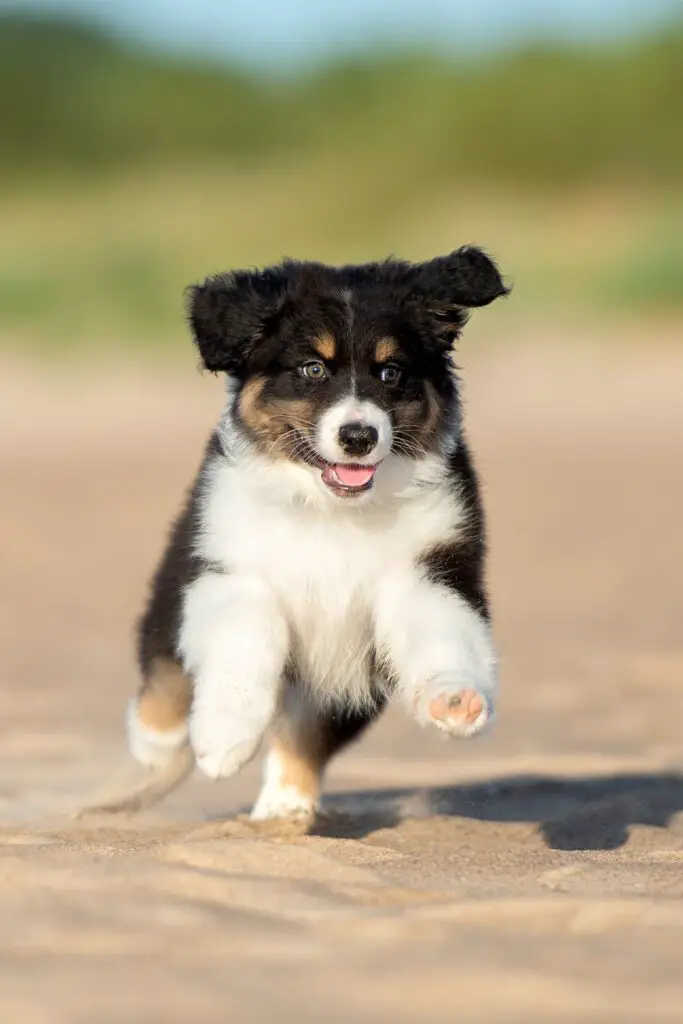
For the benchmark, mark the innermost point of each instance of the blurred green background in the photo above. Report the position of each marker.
(128, 170)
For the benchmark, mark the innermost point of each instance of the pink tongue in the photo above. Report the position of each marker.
(349, 476)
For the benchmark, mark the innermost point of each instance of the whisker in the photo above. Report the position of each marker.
(285, 438)
(408, 446)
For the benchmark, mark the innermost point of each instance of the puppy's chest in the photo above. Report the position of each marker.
(326, 582)
(325, 571)
(325, 568)
(326, 576)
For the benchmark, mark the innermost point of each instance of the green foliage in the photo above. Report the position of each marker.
(649, 279)
(73, 101)
(126, 175)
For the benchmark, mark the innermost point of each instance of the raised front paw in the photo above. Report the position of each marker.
(460, 712)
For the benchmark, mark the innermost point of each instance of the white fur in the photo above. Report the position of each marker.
(153, 747)
(326, 579)
(436, 644)
(322, 558)
(352, 410)
(277, 800)
(234, 642)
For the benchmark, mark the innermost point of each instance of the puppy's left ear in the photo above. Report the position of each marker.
(448, 286)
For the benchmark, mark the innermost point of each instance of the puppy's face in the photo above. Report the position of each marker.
(336, 369)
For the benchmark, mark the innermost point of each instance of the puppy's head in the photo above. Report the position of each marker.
(338, 368)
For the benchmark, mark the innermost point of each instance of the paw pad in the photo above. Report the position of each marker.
(461, 713)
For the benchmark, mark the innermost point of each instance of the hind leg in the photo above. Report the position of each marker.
(158, 718)
(305, 738)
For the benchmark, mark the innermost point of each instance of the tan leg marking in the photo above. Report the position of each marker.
(300, 765)
(166, 696)
(293, 768)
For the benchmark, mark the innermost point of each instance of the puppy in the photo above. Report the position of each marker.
(330, 554)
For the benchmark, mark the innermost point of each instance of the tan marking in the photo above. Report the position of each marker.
(285, 416)
(165, 697)
(293, 412)
(274, 420)
(418, 421)
(409, 414)
(386, 349)
(301, 767)
(299, 745)
(434, 411)
(325, 346)
(250, 410)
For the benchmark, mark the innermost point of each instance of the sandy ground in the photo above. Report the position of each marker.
(533, 875)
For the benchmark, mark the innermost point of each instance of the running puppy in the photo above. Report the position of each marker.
(330, 555)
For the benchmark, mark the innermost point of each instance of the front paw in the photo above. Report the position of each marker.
(222, 747)
(461, 711)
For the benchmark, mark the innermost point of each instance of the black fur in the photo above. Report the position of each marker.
(266, 324)
(338, 727)
(460, 565)
(228, 314)
(158, 627)
(235, 315)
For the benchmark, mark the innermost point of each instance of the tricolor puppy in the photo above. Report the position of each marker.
(330, 555)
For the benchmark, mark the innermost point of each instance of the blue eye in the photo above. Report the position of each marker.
(390, 374)
(314, 370)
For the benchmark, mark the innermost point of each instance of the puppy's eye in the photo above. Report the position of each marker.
(390, 375)
(315, 370)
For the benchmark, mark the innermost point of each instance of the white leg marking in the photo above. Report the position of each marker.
(153, 747)
(234, 642)
(437, 645)
(278, 800)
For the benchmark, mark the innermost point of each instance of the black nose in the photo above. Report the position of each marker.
(357, 438)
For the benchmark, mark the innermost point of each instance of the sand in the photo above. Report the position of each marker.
(535, 874)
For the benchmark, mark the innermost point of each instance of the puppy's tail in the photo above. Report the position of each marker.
(165, 752)
(142, 792)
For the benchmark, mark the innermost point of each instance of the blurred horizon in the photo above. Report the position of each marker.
(291, 35)
(129, 170)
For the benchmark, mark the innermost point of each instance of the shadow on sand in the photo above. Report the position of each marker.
(584, 813)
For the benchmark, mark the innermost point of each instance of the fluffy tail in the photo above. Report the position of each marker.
(146, 791)
(169, 760)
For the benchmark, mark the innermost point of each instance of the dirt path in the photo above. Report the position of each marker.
(536, 874)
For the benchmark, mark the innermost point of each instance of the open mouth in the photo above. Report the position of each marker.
(346, 479)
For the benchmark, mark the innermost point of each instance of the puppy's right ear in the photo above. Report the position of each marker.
(230, 313)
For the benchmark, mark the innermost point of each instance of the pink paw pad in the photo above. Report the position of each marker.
(463, 713)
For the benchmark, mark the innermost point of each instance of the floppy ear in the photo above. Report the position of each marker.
(448, 286)
(230, 313)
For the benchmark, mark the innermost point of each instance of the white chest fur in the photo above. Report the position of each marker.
(323, 558)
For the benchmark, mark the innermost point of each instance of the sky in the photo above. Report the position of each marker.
(291, 33)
